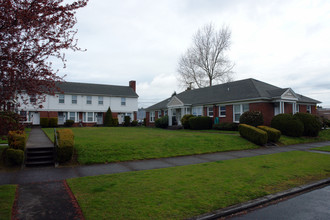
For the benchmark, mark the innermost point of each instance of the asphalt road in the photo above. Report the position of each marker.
(311, 205)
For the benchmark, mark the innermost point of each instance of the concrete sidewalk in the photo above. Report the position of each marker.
(45, 174)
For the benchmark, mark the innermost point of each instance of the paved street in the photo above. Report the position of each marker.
(311, 205)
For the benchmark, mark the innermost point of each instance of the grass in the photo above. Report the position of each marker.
(7, 197)
(324, 135)
(325, 148)
(103, 145)
(187, 191)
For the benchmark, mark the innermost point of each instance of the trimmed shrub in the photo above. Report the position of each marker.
(65, 146)
(115, 122)
(288, 125)
(17, 139)
(134, 123)
(253, 134)
(144, 122)
(68, 123)
(9, 121)
(253, 118)
(312, 124)
(226, 126)
(162, 122)
(127, 121)
(52, 122)
(108, 120)
(44, 122)
(185, 121)
(14, 156)
(200, 123)
(273, 134)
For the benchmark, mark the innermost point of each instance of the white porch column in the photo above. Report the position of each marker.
(281, 107)
(170, 117)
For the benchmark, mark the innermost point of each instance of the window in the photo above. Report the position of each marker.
(197, 111)
(89, 100)
(222, 111)
(123, 101)
(210, 111)
(72, 116)
(61, 98)
(100, 100)
(33, 99)
(309, 109)
(159, 114)
(165, 112)
(74, 99)
(89, 116)
(152, 116)
(239, 110)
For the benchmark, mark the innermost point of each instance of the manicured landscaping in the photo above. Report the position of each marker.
(112, 144)
(7, 197)
(324, 135)
(187, 191)
(325, 148)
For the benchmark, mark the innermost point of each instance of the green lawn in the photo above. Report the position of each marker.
(324, 135)
(187, 191)
(102, 145)
(7, 197)
(325, 148)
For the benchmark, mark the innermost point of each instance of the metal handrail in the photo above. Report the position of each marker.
(55, 146)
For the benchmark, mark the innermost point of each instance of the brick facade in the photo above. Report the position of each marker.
(267, 110)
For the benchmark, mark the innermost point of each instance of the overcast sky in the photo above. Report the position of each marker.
(284, 43)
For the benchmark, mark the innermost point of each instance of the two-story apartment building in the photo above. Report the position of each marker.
(227, 102)
(84, 103)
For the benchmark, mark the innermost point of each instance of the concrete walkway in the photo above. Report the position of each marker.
(46, 174)
(38, 139)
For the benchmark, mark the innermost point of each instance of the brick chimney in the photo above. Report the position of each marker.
(132, 84)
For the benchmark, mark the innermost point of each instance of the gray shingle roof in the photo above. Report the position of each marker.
(97, 89)
(248, 89)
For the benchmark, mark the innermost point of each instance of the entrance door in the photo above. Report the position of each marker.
(99, 118)
(35, 118)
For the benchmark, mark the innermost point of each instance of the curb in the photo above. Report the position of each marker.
(260, 201)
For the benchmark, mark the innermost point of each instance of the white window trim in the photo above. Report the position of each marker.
(59, 98)
(197, 107)
(222, 116)
(309, 109)
(241, 110)
(123, 103)
(74, 99)
(100, 100)
(75, 116)
(159, 114)
(208, 111)
(152, 117)
(91, 99)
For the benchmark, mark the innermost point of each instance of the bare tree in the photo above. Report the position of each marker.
(205, 63)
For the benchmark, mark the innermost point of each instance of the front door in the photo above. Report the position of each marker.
(99, 118)
(35, 118)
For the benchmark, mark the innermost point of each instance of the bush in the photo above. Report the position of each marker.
(273, 134)
(226, 126)
(65, 146)
(17, 139)
(9, 121)
(312, 124)
(200, 123)
(253, 118)
(185, 121)
(44, 122)
(115, 122)
(162, 122)
(108, 120)
(127, 121)
(14, 156)
(288, 125)
(68, 123)
(52, 122)
(134, 123)
(144, 122)
(253, 134)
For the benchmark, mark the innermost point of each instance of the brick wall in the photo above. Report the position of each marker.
(267, 110)
(288, 108)
(229, 114)
(44, 114)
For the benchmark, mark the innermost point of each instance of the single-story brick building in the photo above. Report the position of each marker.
(227, 102)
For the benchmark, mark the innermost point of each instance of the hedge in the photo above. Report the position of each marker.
(312, 124)
(162, 122)
(253, 118)
(200, 123)
(69, 123)
(15, 156)
(185, 121)
(44, 122)
(226, 126)
(273, 134)
(253, 134)
(52, 122)
(288, 125)
(127, 121)
(17, 139)
(65, 146)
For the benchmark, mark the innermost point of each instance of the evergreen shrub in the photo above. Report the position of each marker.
(200, 123)
(127, 121)
(162, 122)
(253, 118)
(226, 126)
(108, 120)
(312, 124)
(17, 139)
(14, 156)
(44, 122)
(288, 125)
(68, 123)
(53, 122)
(65, 146)
(273, 134)
(253, 134)
(185, 121)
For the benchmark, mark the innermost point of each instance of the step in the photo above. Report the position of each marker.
(38, 157)
(39, 163)
(41, 156)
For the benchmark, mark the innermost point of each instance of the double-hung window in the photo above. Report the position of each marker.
(74, 99)
(89, 116)
(239, 110)
(197, 111)
(89, 100)
(159, 114)
(100, 100)
(72, 116)
(123, 101)
(222, 111)
(309, 109)
(152, 116)
(210, 111)
(61, 98)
